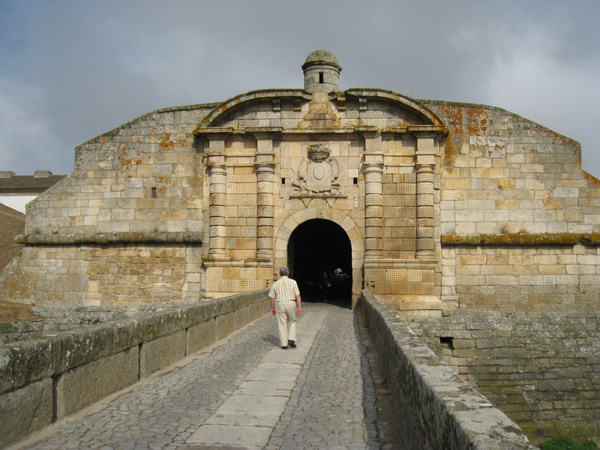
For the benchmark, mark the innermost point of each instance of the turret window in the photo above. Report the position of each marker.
(321, 79)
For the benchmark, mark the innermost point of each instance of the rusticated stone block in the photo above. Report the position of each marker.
(241, 317)
(25, 411)
(200, 336)
(32, 361)
(84, 385)
(225, 325)
(161, 352)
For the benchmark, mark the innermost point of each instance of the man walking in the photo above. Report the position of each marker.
(287, 304)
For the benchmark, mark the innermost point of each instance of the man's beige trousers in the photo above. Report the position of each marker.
(286, 321)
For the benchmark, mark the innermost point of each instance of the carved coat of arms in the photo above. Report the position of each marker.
(318, 173)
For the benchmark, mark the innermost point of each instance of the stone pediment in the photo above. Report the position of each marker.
(288, 109)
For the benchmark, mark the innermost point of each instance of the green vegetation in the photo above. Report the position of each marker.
(567, 444)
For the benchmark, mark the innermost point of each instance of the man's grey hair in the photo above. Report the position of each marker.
(284, 271)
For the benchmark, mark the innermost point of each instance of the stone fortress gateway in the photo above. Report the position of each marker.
(469, 221)
(431, 205)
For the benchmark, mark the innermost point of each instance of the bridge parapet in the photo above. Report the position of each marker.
(44, 380)
(435, 408)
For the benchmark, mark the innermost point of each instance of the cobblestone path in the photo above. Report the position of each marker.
(243, 393)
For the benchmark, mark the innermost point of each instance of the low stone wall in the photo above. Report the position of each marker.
(47, 379)
(543, 372)
(58, 319)
(436, 409)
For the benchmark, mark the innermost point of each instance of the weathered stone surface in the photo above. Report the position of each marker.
(86, 384)
(224, 325)
(20, 331)
(200, 336)
(83, 346)
(6, 370)
(25, 411)
(161, 352)
(541, 371)
(241, 317)
(32, 361)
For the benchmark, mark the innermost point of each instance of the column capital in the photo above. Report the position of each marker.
(262, 167)
(425, 167)
(373, 166)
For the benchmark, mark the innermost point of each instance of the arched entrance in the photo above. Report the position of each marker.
(347, 226)
(317, 246)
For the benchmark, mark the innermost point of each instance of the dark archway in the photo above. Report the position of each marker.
(316, 246)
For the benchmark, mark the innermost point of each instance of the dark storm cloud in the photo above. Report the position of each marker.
(72, 70)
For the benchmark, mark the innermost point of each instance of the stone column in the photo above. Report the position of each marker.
(265, 172)
(373, 170)
(217, 172)
(425, 163)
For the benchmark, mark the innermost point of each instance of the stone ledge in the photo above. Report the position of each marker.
(518, 239)
(110, 238)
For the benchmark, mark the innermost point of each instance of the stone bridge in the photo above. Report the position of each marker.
(210, 374)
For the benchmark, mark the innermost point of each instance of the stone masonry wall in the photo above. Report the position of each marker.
(530, 279)
(544, 372)
(144, 176)
(506, 178)
(505, 174)
(435, 409)
(104, 274)
(125, 226)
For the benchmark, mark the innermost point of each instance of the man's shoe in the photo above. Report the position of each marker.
(284, 347)
(292, 344)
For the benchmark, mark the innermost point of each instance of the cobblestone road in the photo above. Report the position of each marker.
(244, 392)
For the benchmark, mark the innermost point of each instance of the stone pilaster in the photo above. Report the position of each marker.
(265, 172)
(426, 151)
(217, 172)
(373, 170)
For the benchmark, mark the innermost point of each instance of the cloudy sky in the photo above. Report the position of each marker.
(72, 69)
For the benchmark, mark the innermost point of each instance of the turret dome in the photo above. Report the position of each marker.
(321, 57)
(321, 72)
